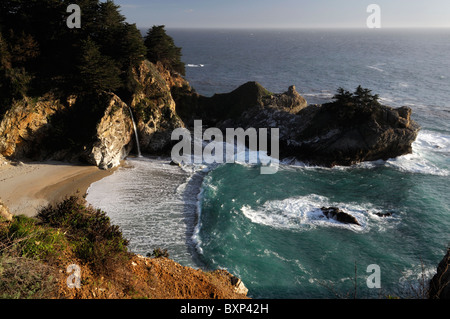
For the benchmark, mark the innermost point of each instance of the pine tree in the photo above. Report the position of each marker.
(161, 48)
(343, 96)
(364, 96)
(361, 97)
(14, 81)
(97, 72)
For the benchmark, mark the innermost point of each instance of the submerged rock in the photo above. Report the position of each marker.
(337, 214)
(387, 214)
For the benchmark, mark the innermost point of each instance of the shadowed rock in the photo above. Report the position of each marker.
(440, 283)
(387, 214)
(337, 214)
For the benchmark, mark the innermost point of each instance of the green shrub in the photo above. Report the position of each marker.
(25, 238)
(159, 253)
(94, 240)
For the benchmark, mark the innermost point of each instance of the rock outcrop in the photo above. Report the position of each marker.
(155, 108)
(4, 212)
(340, 216)
(290, 101)
(335, 134)
(25, 126)
(113, 135)
(440, 283)
(47, 129)
(328, 135)
(97, 130)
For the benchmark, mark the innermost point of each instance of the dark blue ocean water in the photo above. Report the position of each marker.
(409, 67)
(267, 229)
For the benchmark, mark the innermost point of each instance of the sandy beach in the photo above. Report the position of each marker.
(27, 187)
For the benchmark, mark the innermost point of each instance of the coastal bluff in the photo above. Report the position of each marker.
(94, 129)
(98, 130)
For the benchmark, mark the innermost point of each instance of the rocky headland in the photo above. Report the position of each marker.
(336, 133)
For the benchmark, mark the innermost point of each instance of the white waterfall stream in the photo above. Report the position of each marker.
(135, 133)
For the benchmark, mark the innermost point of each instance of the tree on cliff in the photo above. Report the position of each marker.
(161, 47)
(14, 81)
(361, 97)
(97, 72)
(45, 55)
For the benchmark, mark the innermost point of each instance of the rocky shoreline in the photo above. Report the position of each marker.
(331, 134)
(327, 135)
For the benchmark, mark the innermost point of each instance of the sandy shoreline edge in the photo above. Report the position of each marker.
(26, 187)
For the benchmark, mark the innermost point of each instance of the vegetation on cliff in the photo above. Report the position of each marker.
(361, 97)
(35, 254)
(161, 48)
(41, 54)
(42, 59)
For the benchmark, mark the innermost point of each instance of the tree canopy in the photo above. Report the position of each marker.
(161, 47)
(361, 97)
(39, 53)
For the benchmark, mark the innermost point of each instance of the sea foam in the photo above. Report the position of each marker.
(304, 213)
(428, 148)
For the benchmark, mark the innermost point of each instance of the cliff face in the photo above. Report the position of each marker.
(113, 135)
(330, 134)
(155, 108)
(230, 107)
(440, 283)
(97, 130)
(25, 126)
(44, 130)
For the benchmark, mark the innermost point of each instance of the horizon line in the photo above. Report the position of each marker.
(301, 28)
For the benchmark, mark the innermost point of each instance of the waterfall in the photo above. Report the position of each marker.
(135, 133)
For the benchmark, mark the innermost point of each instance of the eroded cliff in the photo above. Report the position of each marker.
(95, 129)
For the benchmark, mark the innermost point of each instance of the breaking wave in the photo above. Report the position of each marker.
(304, 213)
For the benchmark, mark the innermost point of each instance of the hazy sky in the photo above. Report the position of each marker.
(283, 13)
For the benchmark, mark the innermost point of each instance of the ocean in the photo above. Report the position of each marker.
(268, 229)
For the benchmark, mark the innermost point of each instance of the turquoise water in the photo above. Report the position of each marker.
(268, 229)
(275, 239)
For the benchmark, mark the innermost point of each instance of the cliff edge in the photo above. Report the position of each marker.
(71, 251)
